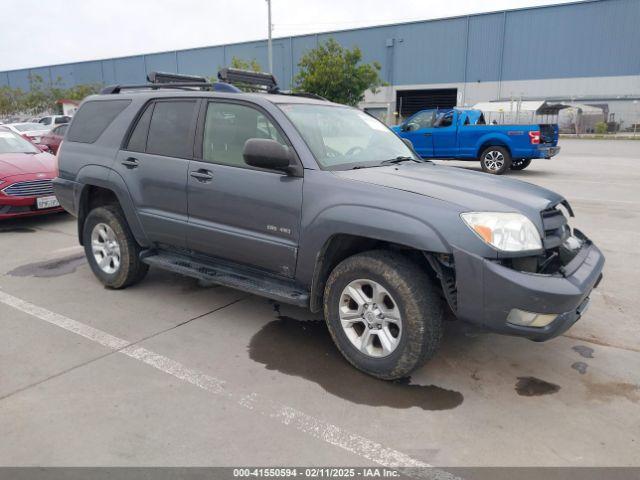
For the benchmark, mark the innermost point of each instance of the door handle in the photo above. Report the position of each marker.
(130, 163)
(427, 134)
(202, 175)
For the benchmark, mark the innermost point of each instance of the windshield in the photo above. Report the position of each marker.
(13, 143)
(343, 137)
(27, 127)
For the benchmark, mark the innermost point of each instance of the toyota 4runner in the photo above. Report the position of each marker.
(319, 205)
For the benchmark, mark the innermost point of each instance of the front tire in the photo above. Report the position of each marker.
(383, 313)
(111, 249)
(495, 160)
(520, 163)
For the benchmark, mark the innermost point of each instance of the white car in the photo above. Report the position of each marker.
(31, 131)
(53, 120)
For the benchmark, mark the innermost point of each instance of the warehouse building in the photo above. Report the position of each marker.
(584, 53)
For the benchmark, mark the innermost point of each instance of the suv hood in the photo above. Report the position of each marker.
(20, 163)
(471, 191)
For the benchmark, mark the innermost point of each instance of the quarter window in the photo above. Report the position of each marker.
(169, 132)
(138, 139)
(228, 126)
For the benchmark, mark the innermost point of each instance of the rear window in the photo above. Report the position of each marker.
(93, 118)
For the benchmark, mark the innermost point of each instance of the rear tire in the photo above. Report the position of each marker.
(495, 160)
(520, 163)
(397, 324)
(111, 249)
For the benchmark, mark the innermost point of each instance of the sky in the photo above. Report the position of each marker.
(41, 32)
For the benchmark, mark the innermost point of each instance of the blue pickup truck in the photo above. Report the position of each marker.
(464, 135)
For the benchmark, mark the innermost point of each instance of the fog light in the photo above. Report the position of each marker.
(530, 319)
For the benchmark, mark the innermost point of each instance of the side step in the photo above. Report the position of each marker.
(241, 278)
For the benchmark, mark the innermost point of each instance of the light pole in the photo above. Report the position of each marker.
(269, 45)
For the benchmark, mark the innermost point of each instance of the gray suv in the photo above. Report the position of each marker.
(319, 205)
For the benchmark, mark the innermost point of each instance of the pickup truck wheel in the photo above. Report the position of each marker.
(112, 252)
(383, 313)
(495, 160)
(520, 163)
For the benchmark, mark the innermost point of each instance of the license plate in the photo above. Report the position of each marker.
(47, 202)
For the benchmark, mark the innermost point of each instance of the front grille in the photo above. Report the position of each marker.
(31, 188)
(555, 227)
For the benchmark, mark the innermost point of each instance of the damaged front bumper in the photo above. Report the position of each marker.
(488, 292)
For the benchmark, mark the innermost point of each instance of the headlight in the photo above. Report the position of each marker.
(509, 232)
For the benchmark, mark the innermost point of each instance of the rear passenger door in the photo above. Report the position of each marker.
(238, 212)
(154, 164)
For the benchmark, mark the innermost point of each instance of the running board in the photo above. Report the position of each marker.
(241, 278)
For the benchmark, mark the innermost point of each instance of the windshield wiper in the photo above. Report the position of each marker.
(399, 159)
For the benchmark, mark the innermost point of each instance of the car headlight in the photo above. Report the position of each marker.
(509, 232)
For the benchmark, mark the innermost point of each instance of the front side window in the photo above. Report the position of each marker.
(342, 137)
(170, 128)
(422, 120)
(46, 121)
(227, 128)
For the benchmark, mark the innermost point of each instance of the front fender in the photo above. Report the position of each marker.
(372, 223)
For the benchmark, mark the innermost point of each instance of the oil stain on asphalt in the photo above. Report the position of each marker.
(534, 387)
(584, 351)
(17, 230)
(305, 349)
(581, 367)
(50, 268)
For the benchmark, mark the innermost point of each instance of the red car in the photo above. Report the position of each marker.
(53, 138)
(26, 173)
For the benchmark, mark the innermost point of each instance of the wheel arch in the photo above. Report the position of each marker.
(493, 141)
(341, 246)
(97, 191)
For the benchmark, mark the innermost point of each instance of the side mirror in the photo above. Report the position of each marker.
(410, 127)
(43, 148)
(269, 154)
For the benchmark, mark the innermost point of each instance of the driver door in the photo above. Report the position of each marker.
(419, 129)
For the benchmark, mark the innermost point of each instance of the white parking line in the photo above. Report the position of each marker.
(286, 415)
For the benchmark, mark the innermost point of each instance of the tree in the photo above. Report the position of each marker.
(242, 64)
(335, 72)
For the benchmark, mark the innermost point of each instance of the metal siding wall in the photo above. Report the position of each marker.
(130, 70)
(63, 75)
(4, 79)
(300, 46)
(431, 52)
(87, 73)
(590, 39)
(202, 61)
(372, 43)
(161, 62)
(484, 48)
(43, 73)
(108, 72)
(19, 79)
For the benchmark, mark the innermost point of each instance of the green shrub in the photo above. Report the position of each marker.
(601, 128)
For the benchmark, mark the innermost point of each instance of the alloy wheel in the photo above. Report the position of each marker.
(105, 248)
(370, 318)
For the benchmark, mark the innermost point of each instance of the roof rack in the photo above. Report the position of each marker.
(162, 80)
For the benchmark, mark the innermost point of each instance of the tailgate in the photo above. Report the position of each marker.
(549, 134)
